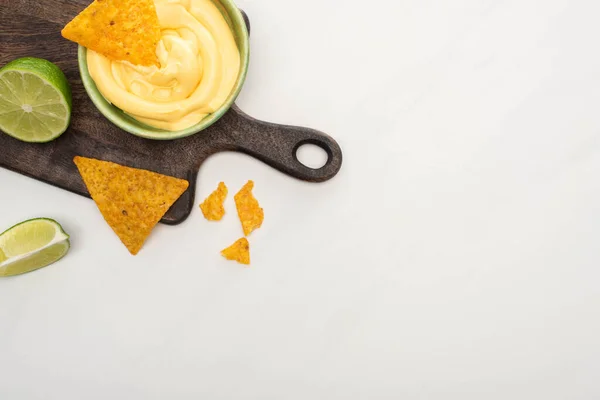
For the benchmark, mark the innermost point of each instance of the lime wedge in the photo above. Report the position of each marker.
(31, 245)
(35, 100)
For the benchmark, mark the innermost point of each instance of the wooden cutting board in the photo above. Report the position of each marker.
(32, 28)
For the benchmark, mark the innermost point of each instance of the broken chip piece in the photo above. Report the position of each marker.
(249, 211)
(125, 30)
(239, 251)
(212, 207)
(131, 200)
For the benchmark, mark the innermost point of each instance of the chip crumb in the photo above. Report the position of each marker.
(212, 207)
(239, 251)
(132, 201)
(127, 30)
(249, 211)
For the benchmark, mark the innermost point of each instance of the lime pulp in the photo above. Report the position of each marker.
(31, 245)
(35, 100)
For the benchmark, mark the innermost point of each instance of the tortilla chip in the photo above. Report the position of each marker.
(212, 208)
(250, 213)
(239, 251)
(131, 200)
(118, 29)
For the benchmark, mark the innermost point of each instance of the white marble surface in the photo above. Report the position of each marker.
(456, 255)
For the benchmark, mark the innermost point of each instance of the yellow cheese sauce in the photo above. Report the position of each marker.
(199, 65)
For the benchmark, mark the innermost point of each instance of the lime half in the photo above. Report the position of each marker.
(35, 100)
(31, 245)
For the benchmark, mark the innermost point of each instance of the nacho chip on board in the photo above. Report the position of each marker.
(132, 201)
(212, 207)
(125, 30)
(239, 251)
(249, 211)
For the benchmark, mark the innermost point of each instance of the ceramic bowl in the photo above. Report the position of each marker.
(236, 21)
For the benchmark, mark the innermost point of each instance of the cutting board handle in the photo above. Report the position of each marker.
(277, 145)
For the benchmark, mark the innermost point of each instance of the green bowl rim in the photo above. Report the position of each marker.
(113, 113)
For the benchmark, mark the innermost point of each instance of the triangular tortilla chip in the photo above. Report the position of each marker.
(118, 29)
(239, 251)
(131, 200)
(212, 207)
(250, 213)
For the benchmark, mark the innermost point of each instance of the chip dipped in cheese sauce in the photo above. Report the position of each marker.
(199, 66)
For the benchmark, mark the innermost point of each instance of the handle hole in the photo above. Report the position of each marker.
(312, 156)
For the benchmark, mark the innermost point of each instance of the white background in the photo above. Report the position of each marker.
(455, 256)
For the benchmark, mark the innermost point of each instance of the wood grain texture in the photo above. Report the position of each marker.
(32, 28)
